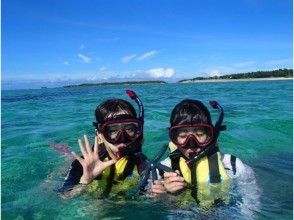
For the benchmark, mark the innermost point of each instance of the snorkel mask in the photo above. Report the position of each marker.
(183, 136)
(121, 129)
(124, 128)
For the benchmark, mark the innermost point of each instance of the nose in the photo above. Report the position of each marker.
(192, 142)
(123, 137)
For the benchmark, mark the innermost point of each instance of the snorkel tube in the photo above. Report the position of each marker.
(131, 147)
(219, 123)
(218, 127)
(134, 96)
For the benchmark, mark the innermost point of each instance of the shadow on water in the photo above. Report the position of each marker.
(44, 95)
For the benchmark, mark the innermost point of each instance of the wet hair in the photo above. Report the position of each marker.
(190, 111)
(111, 107)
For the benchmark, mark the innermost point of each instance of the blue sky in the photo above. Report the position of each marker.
(58, 42)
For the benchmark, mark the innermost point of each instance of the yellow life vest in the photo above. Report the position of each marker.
(207, 192)
(113, 177)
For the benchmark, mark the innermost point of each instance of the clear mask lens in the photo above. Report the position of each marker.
(122, 131)
(182, 135)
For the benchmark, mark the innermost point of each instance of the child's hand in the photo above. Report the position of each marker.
(92, 165)
(157, 188)
(173, 182)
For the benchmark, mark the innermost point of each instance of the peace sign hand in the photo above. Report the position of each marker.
(92, 165)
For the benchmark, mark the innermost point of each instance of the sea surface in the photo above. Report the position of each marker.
(259, 120)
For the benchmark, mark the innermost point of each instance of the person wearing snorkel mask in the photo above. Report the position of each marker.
(195, 156)
(116, 154)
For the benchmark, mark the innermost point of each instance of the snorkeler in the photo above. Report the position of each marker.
(195, 156)
(116, 154)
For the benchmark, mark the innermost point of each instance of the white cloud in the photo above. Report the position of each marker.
(66, 63)
(84, 58)
(92, 78)
(128, 58)
(53, 79)
(103, 68)
(216, 71)
(147, 55)
(161, 72)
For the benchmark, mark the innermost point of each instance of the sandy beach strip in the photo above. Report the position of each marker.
(238, 80)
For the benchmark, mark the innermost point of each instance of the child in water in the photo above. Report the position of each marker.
(116, 154)
(195, 156)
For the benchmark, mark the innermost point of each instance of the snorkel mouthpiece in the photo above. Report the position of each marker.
(131, 148)
(197, 156)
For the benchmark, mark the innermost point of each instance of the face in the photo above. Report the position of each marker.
(199, 134)
(111, 148)
(191, 138)
(113, 131)
(118, 134)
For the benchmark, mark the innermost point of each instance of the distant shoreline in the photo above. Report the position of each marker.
(279, 74)
(192, 81)
(237, 80)
(116, 83)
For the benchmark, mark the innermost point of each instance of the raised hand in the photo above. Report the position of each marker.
(173, 182)
(92, 165)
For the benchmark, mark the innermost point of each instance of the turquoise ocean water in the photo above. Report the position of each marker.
(259, 119)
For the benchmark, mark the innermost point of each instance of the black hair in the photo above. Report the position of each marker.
(190, 111)
(111, 107)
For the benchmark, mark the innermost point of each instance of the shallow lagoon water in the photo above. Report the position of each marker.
(259, 120)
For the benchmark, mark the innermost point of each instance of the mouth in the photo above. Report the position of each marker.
(120, 150)
(122, 145)
(191, 152)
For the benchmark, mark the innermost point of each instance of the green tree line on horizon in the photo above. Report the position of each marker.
(116, 83)
(287, 73)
